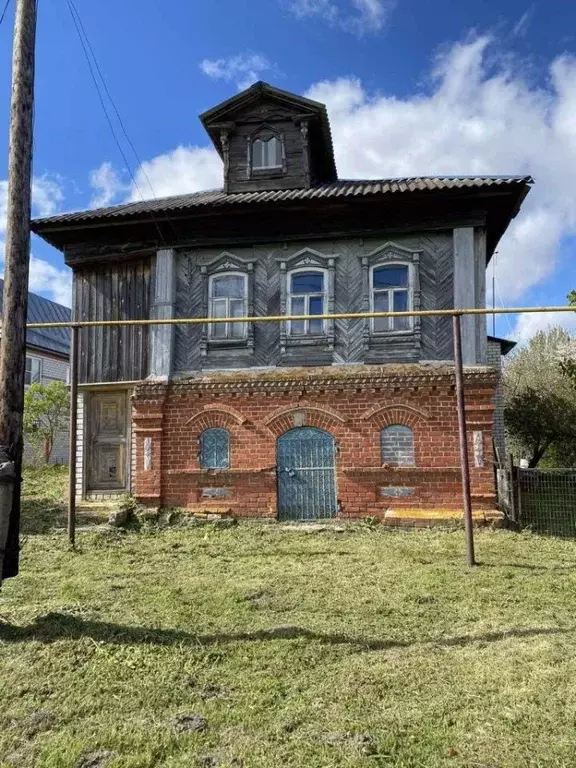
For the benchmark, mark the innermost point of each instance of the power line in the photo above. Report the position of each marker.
(112, 102)
(84, 42)
(4, 11)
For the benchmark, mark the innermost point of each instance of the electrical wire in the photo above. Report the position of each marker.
(4, 11)
(84, 42)
(112, 102)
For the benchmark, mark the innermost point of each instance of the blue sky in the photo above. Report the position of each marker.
(413, 87)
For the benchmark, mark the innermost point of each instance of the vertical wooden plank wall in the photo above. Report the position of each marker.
(115, 292)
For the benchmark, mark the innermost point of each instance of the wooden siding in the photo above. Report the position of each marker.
(281, 122)
(113, 292)
(351, 342)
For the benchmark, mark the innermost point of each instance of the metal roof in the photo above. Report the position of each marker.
(506, 345)
(41, 310)
(217, 198)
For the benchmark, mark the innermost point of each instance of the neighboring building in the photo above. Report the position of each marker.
(47, 356)
(304, 419)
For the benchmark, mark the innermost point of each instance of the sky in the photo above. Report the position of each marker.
(412, 88)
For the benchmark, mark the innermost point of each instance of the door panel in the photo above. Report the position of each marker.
(306, 475)
(107, 456)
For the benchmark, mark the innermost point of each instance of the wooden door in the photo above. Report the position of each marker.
(107, 454)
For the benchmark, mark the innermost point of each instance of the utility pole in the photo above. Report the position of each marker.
(16, 267)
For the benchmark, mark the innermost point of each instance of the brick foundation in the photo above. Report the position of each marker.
(353, 404)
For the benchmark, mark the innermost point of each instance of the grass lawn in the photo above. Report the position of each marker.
(365, 648)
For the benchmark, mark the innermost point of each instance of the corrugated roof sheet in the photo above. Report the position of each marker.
(41, 310)
(344, 188)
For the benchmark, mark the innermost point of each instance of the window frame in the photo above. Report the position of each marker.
(291, 296)
(201, 438)
(390, 291)
(212, 326)
(265, 133)
(264, 138)
(413, 446)
(38, 380)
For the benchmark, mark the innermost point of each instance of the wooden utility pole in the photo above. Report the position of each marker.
(13, 347)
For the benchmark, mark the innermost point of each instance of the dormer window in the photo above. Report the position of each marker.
(266, 153)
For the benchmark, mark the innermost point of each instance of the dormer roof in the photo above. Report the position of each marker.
(226, 114)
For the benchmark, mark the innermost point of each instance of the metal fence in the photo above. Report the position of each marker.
(542, 500)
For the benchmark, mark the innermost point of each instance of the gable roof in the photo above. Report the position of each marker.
(41, 310)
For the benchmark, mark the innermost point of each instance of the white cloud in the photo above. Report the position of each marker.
(182, 170)
(47, 279)
(528, 324)
(185, 169)
(473, 120)
(47, 198)
(107, 185)
(356, 16)
(244, 69)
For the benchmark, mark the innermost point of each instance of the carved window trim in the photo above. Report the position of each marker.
(387, 255)
(227, 263)
(307, 259)
(265, 132)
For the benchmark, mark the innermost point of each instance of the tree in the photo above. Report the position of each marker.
(540, 420)
(46, 412)
(540, 398)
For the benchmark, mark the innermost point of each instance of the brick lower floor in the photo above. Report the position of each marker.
(332, 420)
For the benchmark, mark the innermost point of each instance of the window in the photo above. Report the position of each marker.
(228, 298)
(33, 370)
(397, 446)
(307, 296)
(266, 153)
(215, 449)
(390, 292)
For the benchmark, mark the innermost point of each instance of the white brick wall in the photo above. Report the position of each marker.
(80, 421)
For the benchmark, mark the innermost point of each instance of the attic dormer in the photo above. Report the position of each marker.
(271, 139)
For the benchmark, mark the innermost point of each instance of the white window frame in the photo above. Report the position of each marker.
(306, 296)
(227, 336)
(39, 360)
(265, 140)
(390, 291)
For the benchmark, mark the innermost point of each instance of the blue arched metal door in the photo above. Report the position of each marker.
(306, 470)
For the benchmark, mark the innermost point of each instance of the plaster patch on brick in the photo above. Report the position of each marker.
(147, 454)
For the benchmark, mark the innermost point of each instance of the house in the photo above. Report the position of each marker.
(300, 419)
(47, 356)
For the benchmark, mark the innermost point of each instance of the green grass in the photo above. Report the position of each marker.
(365, 648)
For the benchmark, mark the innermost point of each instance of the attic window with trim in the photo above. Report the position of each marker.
(266, 153)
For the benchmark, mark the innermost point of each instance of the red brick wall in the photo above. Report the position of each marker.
(173, 416)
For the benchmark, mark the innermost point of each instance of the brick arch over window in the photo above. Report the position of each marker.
(216, 416)
(303, 416)
(388, 415)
